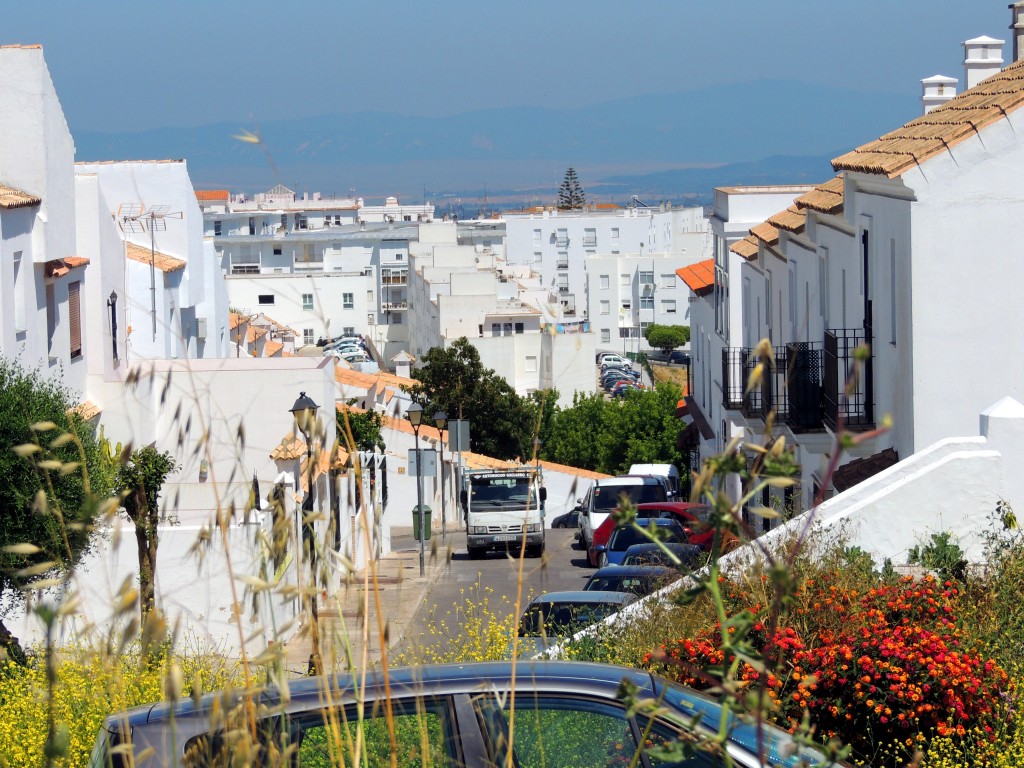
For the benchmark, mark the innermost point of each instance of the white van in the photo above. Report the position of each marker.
(667, 471)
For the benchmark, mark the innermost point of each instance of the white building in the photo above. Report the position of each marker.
(880, 256)
(43, 307)
(466, 290)
(142, 221)
(584, 256)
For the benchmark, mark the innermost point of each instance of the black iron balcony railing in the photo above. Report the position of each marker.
(803, 386)
(733, 376)
(846, 385)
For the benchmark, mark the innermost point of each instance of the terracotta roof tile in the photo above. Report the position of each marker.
(766, 233)
(235, 319)
(15, 198)
(354, 378)
(745, 248)
(60, 267)
(255, 332)
(86, 410)
(163, 262)
(826, 198)
(213, 194)
(792, 219)
(959, 118)
(699, 277)
(271, 348)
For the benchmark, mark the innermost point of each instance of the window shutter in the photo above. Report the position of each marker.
(76, 323)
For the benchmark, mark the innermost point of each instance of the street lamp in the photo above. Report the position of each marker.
(112, 303)
(415, 415)
(304, 412)
(441, 421)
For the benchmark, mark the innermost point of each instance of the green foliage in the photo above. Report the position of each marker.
(360, 430)
(667, 337)
(609, 436)
(942, 555)
(50, 495)
(453, 379)
(571, 196)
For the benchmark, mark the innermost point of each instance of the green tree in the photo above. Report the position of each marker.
(667, 337)
(139, 480)
(571, 196)
(454, 380)
(53, 485)
(360, 430)
(609, 436)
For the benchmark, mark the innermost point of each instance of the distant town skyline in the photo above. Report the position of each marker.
(121, 66)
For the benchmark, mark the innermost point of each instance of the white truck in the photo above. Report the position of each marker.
(504, 509)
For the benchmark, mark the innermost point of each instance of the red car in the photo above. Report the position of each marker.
(694, 519)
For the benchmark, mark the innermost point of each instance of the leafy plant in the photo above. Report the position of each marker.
(942, 555)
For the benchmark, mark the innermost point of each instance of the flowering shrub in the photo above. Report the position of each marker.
(884, 667)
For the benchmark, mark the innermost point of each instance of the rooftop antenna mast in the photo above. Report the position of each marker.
(133, 217)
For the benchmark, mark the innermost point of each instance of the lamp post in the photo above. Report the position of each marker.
(112, 303)
(415, 415)
(304, 412)
(441, 421)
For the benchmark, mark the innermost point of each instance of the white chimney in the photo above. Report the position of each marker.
(936, 91)
(1018, 29)
(983, 57)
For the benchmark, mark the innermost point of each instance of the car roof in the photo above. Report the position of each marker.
(675, 506)
(628, 571)
(628, 480)
(582, 596)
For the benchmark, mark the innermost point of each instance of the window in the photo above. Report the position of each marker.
(562, 238)
(369, 298)
(624, 281)
(337, 220)
(646, 302)
(606, 336)
(606, 307)
(531, 363)
(627, 303)
(892, 291)
(307, 301)
(589, 237)
(252, 225)
(349, 330)
(348, 301)
(396, 319)
(668, 306)
(562, 262)
(277, 250)
(265, 298)
(668, 281)
(606, 282)
(721, 288)
(216, 228)
(307, 336)
(507, 329)
(520, 328)
(495, 329)
(284, 221)
(646, 278)
(615, 233)
(538, 257)
(75, 320)
(300, 221)
(536, 235)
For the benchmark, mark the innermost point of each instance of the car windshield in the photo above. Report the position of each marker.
(608, 497)
(652, 554)
(638, 585)
(500, 492)
(563, 618)
(623, 538)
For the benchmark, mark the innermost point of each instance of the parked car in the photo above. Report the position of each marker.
(680, 357)
(695, 518)
(569, 519)
(690, 556)
(625, 536)
(668, 471)
(617, 374)
(623, 388)
(639, 580)
(562, 614)
(604, 496)
(446, 715)
(611, 359)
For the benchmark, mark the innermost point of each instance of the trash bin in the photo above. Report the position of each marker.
(421, 523)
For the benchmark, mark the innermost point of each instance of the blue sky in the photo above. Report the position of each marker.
(134, 65)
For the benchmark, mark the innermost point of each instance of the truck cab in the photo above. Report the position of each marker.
(504, 510)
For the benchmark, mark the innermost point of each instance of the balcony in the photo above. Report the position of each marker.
(562, 264)
(733, 379)
(847, 394)
(394, 280)
(310, 264)
(396, 306)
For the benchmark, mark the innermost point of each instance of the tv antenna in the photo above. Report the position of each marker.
(134, 218)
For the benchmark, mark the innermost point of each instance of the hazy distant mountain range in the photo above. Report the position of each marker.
(669, 146)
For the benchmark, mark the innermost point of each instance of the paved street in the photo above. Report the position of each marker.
(496, 576)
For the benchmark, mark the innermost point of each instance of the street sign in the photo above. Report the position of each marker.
(429, 459)
(458, 435)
